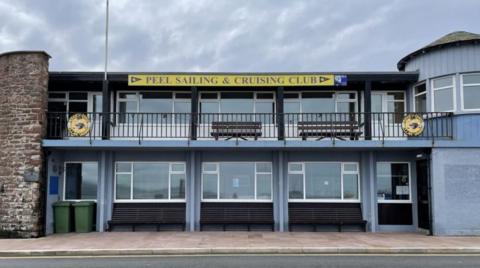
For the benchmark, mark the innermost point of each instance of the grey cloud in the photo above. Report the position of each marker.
(225, 35)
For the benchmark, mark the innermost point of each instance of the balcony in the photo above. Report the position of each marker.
(247, 126)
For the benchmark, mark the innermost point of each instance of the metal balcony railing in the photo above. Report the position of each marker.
(250, 126)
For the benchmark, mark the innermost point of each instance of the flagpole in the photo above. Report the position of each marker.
(105, 91)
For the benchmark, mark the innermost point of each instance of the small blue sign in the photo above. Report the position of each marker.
(53, 186)
(340, 80)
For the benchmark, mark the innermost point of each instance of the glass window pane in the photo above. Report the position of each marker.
(236, 95)
(210, 109)
(208, 95)
(420, 88)
(266, 112)
(265, 96)
(123, 186)
(421, 103)
(78, 96)
(345, 96)
(345, 107)
(398, 109)
(183, 96)
(236, 106)
(124, 167)
(350, 167)
(319, 105)
(290, 96)
(350, 186)
(377, 103)
(178, 167)
(209, 167)
(209, 185)
(443, 100)
(323, 180)
(471, 79)
(177, 186)
(78, 107)
(150, 180)
(295, 167)
(471, 97)
(97, 103)
(392, 181)
(442, 82)
(57, 106)
(128, 96)
(264, 167)
(156, 95)
(182, 112)
(295, 186)
(56, 95)
(237, 180)
(156, 106)
(391, 96)
(81, 181)
(264, 186)
(127, 110)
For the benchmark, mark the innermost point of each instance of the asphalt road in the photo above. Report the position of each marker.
(247, 261)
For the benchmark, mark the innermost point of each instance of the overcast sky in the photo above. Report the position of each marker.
(229, 35)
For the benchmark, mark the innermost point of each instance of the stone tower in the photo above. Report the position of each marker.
(23, 103)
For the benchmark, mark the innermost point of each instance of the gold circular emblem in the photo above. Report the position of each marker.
(78, 125)
(413, 125)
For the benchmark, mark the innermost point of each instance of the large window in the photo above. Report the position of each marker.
(149, 181)
(393, 182)
(319, 105)
(156, 107)
(471, 91)
(323, 181)
(237, 106)
(443, 94)
(389, 106)
(237, 181)
(72, 102)
(81, 180)
(420, 98)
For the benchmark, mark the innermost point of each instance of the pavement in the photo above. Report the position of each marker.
(202, 243)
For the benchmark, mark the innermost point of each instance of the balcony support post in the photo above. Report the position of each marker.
(105, 111)
(280, 116)
(194, 114)
(367, 104)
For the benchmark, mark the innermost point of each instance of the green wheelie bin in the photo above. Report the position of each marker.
(62, 216)
(84, 216)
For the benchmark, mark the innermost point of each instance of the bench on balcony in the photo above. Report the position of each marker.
(336, 214)
(242, 130)
(156, 214)
(325, 129)
(248, 214)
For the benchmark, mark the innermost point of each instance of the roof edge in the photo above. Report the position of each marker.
(8, 53)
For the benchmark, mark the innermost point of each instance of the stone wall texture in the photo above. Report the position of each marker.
(23, 102)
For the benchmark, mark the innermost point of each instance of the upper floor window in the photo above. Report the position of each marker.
(420, 93)
(72, 102)
(158, 107)
(320, 102)
(471, 91)
(443, 94)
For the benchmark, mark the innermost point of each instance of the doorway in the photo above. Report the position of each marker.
(423, 194)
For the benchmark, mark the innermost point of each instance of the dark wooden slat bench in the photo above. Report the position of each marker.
(240, 130)
(325, 129)
(134, 214)
(338, 214)
(236, 213)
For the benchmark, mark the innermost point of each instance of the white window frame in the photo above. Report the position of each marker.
(138, 100)
(329, 200)
(255, 99)
(217, 172)
(454, 92)
(462, 93)
(170, 173)
(67, 100)
(65, 180)
(336, 99)
(407, 201)
(415, 95)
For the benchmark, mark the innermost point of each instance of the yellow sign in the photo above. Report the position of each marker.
(236, 80)
(413, 125)
(78, 125)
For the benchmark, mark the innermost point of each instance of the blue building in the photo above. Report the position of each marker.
(374, 151)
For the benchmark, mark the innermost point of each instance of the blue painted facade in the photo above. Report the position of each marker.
(452, 161)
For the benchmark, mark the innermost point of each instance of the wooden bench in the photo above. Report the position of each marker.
(338, 214)
(324, 129)
(236, 213)
(134, 214)
(240, 130)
